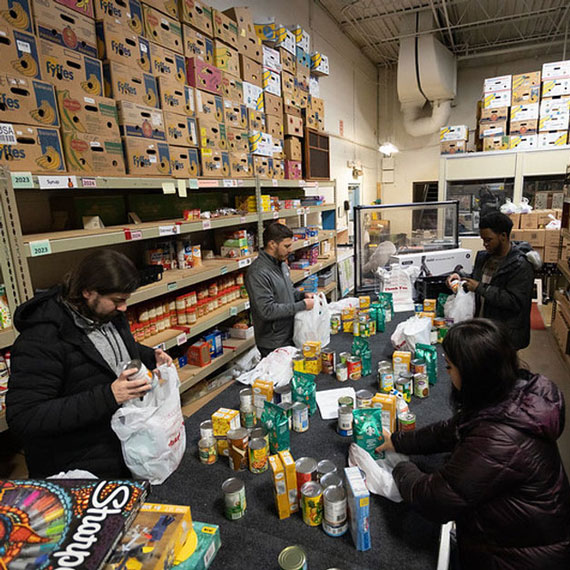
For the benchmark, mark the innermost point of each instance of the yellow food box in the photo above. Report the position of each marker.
(311, 349)
(430, 305)
(299, 365)
(389, 410)
(262, 392)
(279, 487)
(312, 365)
(401, 360)
(427, 314)
(224, 419)
(291, 479)
(364, 302)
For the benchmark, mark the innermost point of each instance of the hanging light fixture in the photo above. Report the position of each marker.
(388, 149)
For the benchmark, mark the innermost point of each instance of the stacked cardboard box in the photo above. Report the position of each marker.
(555, 105)
(453, 139)
(494, 114)
(154, 88)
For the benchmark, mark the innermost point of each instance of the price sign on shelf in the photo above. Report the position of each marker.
(246, 305)
(242, 219)
(131, 235)
(172, 286)
(89, 182)
(22, 180)
(40, 247)
(181, 339)
(306, 243)
(300, 211)
(307, 273)
(244, 262)
(233, 311)
(193, 183)
(275, 215)
(223, 270)
(161, 346)
(207, 224)
(168, 230)
(275, 183)
(50, 182)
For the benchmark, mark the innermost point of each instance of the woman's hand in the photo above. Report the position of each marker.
(387, 445)
(162, 357)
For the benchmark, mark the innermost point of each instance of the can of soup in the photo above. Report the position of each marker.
(342, 372)
(258, 455)
(312, 503)
(300, 417)
(328, 358)
(306, 470)
(363, 399)
(237, 442)
(354, 365)
(234, 498)
(325, 466)
(208, 451)
(206, 430)
(344, 426)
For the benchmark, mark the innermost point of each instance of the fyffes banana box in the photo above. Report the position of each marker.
(18, 14)
(163, 30)
(18, 52)
(88, 114)
(232, 88)
(128, 83)
(212, 134)
(28, 101)
(209, 106)
(168, 7)
(184, 162)
(127, 12)
(176, 97)
(68, 69)
(165, 62)
(240, 165)
(215, 163)
(141, 121)
(238, 140)
(197, 45)
(198, 15)
(235, 115)
(31, 149)
(63, 26)
(117, 43)
(83, 7)
(146, 157)
(87, 153)
(180, 130)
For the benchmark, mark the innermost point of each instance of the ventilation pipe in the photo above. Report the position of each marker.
(427, 80)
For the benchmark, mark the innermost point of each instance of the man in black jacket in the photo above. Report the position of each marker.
(274, 300)
(66, 380)
(502, 279)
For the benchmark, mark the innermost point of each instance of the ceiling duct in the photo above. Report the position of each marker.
(427, 81)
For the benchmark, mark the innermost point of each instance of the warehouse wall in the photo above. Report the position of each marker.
(418, 159)
(349, 92)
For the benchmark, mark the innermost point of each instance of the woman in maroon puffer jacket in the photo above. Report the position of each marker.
(504, 483)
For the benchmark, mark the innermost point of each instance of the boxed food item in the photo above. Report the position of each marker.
(274, 126)
(255, 120)
(552, 139)
(271, 82)
(197, 14)
(18, 14)
(358, 498)
(288, 61)
(291, 479)
(524, 127)
(285, 40)
(141, 121)
(523, 142)
(225, 28)
(88, 114)
(251, 47)
(225, 420)
(292, 100)
(526, 112)
(293, 170)
(31, 149)
(235, 115)
(266, 29)
(176, 97)
(168, 7)
(146, 157)
(526, 95)
(319, 64)
(496, 143)
(93, 155)
(250, 70)
(127, 12)
(494, 114)
(556, 87)
(162, 29)
(288, 82)
(241, 165)
(184, 162)
(165, 62)
(212, 134)
(280, 490)
(496, 129)
(28, 101)
(243, 19)
(215, 163)
(209, 542)
(203, 76)
(389, 410)
(302, 38)
(454, 133)
(232, 88)
(495, 84)
(79, 6)
(271, 59)
(276, 169)
(197, 45)
(554, 114)
(209, 106)
(261, 166)
(293, 149)
(556, 70)
(498, 99)
(262, 392)
(292, 125)
(534, 237)
(253, 96)
(128, 83)
(260, 143)
(273, 105)
(303, 98)
(238, 140)
(198, 354)
(181, 130)
(226, 58)
(116, 43)
(19, 53)
(529, 222)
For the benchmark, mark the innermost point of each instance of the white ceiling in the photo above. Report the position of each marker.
(469, 28)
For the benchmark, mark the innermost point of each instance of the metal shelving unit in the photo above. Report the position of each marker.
(300, 274)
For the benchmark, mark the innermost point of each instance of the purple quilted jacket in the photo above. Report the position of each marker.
(504, 483)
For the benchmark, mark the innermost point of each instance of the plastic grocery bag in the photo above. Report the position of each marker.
(276, 366)
(399, 282)
(151, 430)
(379, 479)
(313, 325)
(509, 207)
(347, 302)
(415, 330)
(460, 307)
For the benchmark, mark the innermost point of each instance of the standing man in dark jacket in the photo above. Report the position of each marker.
(502, 279)
(504, 484)
(274, 300)
(65, 381)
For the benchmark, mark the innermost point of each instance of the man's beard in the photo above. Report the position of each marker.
(87, 311)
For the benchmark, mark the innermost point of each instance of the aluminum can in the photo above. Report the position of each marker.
(259, 431)
(363, 399)
(335, 506)
(300, 417)
(246, 397)
(237, 442)
(344, 427)
(234, 498)
(258, 455)
(306, 469)
(206, 430)
(343, 357)
(335, 323)
(421, 386)
(312, 503)
(247, 416)
(331, 479)
(293, 558)
(325, 466)
(354, 365)
(346, 401)
(404, 385)
(208, 451)
(282, 394)
(407, 421)
(342, 372)
(418, 366)
(328, 361)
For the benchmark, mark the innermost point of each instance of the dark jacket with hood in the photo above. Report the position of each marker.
(508, 297)
(274, 302)
(59, 400)
(504, 483)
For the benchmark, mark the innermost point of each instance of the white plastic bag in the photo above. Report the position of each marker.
(379, 479)
(313, 325)
(411, 332)
(152, 434)
(508, 207)
(460, 307)
(276, 366)
(525, 207)
(347, 302)
(399, 282)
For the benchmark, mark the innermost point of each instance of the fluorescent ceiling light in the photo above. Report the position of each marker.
(388, 149)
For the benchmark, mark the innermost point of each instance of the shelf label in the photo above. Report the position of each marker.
(209, 183)
(168, 230)
(306, 243)
(275, 183)
(300, 211)
(246, 305)
(182, 191)
(22, 180)
(207, 224)
(58, 182)
(172, 286)
(168, 188)
(181, 339)
(307, 273)
(240, 182)
(242, 219)
(193, 183)
(89, 182)
(275, 215)
(244, 262)
(40, 247)
(233, 311)
(223, 270)
(131, 235)
(161, 346)
(229, 183)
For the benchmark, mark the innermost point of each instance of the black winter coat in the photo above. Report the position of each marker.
(59, 400)
(508, 298)
(504, 483)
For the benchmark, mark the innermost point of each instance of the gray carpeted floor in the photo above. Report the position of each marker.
(401, 538)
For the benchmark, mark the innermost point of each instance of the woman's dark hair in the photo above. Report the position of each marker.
(497, 222)
(276, 232)
(104, 271)
(487, 362)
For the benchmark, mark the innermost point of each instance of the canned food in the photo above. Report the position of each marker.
(335, 323)
(237, 441)
(385, 379)
(372, 326)
(363, 399)
(334, 530)
(282, 394)
(344, 426)
(343, 357)
(258, 454)
(234, 498)
(354, 365)
(288, 407)
(438, 322)
(433, 335)
(306, 469)
(260, 431)
(421, 385)
(300, 417)
(312, 503)
(206, 430)
(418, 366)
(342, 372)
(404, 385)
(325, 466)
(246, 397)
(331, 479)
(293, 558)
(299, 363)
(247, 416)
(407, 421)
(208, 451)
(334, 505)
(418, 307)
(346, 401)
(328, 361)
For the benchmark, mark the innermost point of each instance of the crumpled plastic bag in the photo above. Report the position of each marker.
(524, 207)
(415, 330)
(345, 303)
(313, 325)
(509, 207)
(399, 282)
(460, 307)
(74, 474)
(379, 479)
(276, 366)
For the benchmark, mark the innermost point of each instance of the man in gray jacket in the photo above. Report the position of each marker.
(274, 300)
